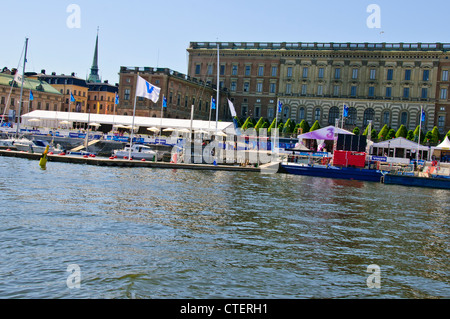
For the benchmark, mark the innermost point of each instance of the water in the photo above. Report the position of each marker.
(155, 233)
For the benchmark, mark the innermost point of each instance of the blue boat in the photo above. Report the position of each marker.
(416, 181)
(352, 173)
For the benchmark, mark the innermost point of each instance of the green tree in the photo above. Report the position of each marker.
(391, 134)
(304, 126)
(315, 126)
(410, 135)
(435, 136)
(383, 133)
(247, 124)
(448, 134)
(289, 126)
(373, 134)
(401, 132)
(366, 131)
(271, 126)
(259, 124)
(428, 137)
(356, 131)
(416, 134)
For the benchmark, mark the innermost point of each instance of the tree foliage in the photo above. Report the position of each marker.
(383, 133)
(315, 126)
(356, 131)
(401, 132)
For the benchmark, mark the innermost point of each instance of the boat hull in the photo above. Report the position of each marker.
(415, 181)
(360, 174)
(136, 155)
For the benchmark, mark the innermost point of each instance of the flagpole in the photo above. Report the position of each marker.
(21, 89)
(160, 122)
(132, 126)
(276, 122)
(420, 130)
(343, 110)
(210, 110)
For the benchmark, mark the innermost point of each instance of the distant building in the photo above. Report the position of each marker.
(180, 90)
(386, 83)
(45, 97)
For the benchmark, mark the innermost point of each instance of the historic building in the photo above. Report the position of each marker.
(386, 83)
(181, 93)
(43, 96)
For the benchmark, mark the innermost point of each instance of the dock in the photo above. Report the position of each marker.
(103, 161)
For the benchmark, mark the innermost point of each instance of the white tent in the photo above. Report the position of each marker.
(442, 151)
(52, 118)
(326, 133)
(400, 147)
(445, 145)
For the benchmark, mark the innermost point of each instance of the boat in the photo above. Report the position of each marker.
(330, 171)
(440, 182)
(35, 146)
(136, 151)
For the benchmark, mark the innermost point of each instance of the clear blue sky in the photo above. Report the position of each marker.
(157, 33)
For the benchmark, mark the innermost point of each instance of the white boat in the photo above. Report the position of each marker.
(138, 152)
(35, 146)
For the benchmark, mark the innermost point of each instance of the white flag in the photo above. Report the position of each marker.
(232, 110)
(147, 90)
(18, 77)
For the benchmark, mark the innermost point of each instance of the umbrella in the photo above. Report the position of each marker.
(153, 129)
(201, 131)
(94, 124)
(64, 122)
(119, 126)
(184, 130)
(169, 129)
(220, 133)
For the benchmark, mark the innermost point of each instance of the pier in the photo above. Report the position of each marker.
(102, 161)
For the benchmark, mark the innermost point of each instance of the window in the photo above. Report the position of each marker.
(233, 86)
(404, 118)
(407, 75)
(222, 69)
(321, 73)
(274, 71)
(333, 115)
(444, 75)
(126, 96)
(336, 89)
(289, 72)
(178, 99)
(337, 73)
(286, 111)
(371, 91)
(210, 67)
(257, 111)
(388, 91)
(443, 95)
(426, 75)
(368, 116)
(288, 88)
(390, 74)
(304, 88)
(424, 94)
(246, 86)
(259, 87)
(260, 70)
(305, 72)
(272, 87)
(244, 110)
(386, 116)
(317, 114)
(197, 68)
(234, 70)
(351, 118)
(406, 93)
(248, 69)
(373, 74)
(301, 114)
(320, 89)
(441, 121)
(353, 90)
(354, 74)
(270, 113)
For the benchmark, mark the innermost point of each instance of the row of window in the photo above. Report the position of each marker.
(235, 69)
(372, 74)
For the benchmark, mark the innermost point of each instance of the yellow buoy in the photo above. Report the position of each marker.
(43, 160)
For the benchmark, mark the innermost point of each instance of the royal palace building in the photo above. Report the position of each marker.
(386, 83)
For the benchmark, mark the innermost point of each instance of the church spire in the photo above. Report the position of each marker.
(93, 76)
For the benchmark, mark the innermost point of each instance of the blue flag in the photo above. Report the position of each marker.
(345, 110)
(31, 96)
(72, 99)
(279, 106)
(164, 101)
(213, 103)
(423, 116)
(116, 101)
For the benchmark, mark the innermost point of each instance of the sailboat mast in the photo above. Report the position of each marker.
(218, 85)
(21, 89)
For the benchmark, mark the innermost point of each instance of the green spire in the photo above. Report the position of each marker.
(93, 76)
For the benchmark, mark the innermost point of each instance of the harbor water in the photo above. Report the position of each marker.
(80, 231)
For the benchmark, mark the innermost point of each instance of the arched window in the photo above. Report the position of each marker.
(333, 115)
(286, 112)
(369, 114)
(404, 118)
(386, 118)
(317, 114)
(351, 118)
(301, 114)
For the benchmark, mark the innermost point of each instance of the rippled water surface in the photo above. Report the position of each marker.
(161, 233)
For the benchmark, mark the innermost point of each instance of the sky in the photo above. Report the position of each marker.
(157, 33)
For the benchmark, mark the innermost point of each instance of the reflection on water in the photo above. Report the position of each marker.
(154, 233)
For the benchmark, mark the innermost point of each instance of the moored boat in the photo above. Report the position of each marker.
(136, 151)
(416, 181)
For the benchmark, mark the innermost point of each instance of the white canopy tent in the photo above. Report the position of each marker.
(442, 151)
(400, 147)
(53, 118)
